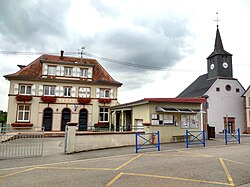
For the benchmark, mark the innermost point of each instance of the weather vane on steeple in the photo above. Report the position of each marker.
(217, 19)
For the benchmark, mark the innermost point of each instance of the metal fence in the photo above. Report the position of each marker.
(21, 142)
(112, 129)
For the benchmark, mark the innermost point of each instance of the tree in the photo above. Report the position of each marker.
(3, 117)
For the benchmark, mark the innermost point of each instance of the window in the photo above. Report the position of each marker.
(248, 101)
(237, 90)
(162, 119)
(84, 92)
(104, 93)
(51, 70)
(104, 114)
(68, 71)
(25, 89)
(83, 73)
(67, 91)
(228, 87)
(217, 89)
(23, 113)
(49, 90)
(189, 121)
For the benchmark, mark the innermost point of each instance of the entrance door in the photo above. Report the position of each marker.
(47, 119)
(118, 114)
(65, 118)
(229, 124)
(83, 119)
(138, 125)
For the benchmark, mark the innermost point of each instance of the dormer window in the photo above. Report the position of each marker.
(67, 71)
(83, 72)
(51, 70)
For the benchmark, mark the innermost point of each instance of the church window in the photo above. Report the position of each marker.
(228, 87)
(217, 89)
(237, 90)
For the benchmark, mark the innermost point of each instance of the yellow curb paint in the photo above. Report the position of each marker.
(114, 179)
(227, 172)
(128, 162)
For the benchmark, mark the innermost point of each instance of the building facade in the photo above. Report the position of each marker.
(53, 90)
(223, 92)
(170, 116)
(246, 97)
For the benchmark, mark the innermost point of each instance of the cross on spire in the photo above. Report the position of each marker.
(217, 19)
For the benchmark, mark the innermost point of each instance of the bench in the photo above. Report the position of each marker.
(180, 137)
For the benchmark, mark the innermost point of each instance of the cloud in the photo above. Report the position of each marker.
(159, 45)
(32, 24)
(109, 30)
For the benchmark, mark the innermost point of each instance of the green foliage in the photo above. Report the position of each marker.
(3, 117)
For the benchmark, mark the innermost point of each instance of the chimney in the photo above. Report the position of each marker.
(61, 57)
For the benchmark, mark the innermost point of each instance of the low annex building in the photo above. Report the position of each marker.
(53, 90)
(171, 116)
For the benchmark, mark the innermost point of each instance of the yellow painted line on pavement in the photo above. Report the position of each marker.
(236, 162)
(202, 155)
(128, 162)
(71, 168)
(18, 172)
(230, 179)
(165, 177)
(165, 155)
(114, 179)
(68, 162)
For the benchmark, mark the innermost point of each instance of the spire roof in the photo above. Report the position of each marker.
(218, 46)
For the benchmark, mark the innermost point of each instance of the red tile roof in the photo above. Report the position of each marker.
(34, 69)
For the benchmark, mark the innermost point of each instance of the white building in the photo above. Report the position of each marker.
(223, 92)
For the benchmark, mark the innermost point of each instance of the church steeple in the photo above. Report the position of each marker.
(218, 42)
(218, 46)
(219, 62)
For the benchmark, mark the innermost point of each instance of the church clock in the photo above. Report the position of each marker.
(225, 65)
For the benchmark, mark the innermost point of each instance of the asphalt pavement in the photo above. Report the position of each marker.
(216, 164)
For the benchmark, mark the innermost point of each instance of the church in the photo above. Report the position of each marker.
(225, 106)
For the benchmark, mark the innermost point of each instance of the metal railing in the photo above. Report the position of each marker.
(112, 129)
(21, 142)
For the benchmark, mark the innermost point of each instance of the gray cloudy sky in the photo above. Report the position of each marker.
(177, 35)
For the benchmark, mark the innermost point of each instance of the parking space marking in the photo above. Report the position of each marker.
(71, 168)
(236, 162)
(136, 156)
(114, 179)
(18, 172)
(67, 162)
(131, 160)
(48, 166)
(202, 155)
(164, 177)
(229, 177)
(165, 155)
